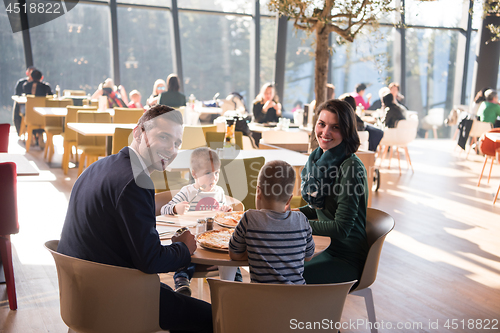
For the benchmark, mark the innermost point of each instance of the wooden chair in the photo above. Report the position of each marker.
(33, 120)
(238, 178)
(69, 92)
(91, 146)
(259, 307)
(195, 136)
(121, 138)
(8, 225)
(53, 126)
(477, 130)
(378, 225)
(127, 115)
(103, 298)
(70, 135)
(216, 139)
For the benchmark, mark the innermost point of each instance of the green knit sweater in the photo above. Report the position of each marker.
(344, 217)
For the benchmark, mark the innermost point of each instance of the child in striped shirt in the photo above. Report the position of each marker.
(275, 241)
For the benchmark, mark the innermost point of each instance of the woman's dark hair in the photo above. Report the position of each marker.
(388, 99)
(173, 83)
(347, 122)
(481, 98)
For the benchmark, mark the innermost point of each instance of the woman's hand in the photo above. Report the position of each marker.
(268, 105)
(278, 109)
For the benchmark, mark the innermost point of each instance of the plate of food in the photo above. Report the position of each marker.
(217, 240)
(228, 219)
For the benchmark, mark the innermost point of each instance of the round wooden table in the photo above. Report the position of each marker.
(227, 266)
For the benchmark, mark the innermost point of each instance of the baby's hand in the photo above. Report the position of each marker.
(226, 208)
(182, 207)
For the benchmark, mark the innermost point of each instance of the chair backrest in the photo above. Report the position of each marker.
(479, 128)
(32, 117)
(231, 181)
(127, 115)
(259, 307)
(279, 136)
(487, 146)
(69, 92)
(103, 298)
(91, 117)
(69, 134)
(195, 136)
(121, 138)
(378, 225)
(363, 139)
(8, 199)
(435, 116)
(4, 137)
(215, 139)
(406, 131)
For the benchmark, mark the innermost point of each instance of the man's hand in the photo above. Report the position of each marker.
(182, 208)
(187, 238)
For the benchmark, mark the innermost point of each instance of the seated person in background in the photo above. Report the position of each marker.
(36, 86)
(374, 134)
(398, 98)
(204, 194)
(378, 103)
(158, 88)
(393, 112)
(358, 96)
(172, 97)
(17, 110)
(266, 106)
(275, 240)
(135, 100)
(117, 97)
(298, 106)
(489, 110)
(478, 100)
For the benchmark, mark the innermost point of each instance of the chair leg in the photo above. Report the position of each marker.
(482, 170)
(399, 160)
(370, 306)
(386, 148)
(390, 156)
(65, 158)
(28, 140)
(434, 131)
(83, 156)
(6, 253)
(496, 196)
(47, 145)
(408, 158)
(491, 167)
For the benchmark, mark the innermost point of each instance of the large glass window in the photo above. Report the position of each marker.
(12, 66)
(430, 68)
(145, 48)
(367, 60)
(215, 54)
(233, 6)
(73, 51)
(442, 13)
(299, 75)
(268, 28)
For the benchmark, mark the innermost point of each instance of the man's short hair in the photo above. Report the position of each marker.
(276, 181)
(200, 157)
(393, 84)
(490, 94)
(360, 87)
(36, 75)
(159, 110)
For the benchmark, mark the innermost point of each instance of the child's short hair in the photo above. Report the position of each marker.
(276, 181)
(201, 156)
(134, 92)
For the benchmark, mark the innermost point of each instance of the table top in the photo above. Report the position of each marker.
(295, 159)
(61, 111)
(256, 127)
(208, 110)
(19, 99)
(98, 129)
(212, 257)
(23, 166)
(493, 136)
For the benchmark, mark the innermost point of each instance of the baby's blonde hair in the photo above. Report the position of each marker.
(200, 157)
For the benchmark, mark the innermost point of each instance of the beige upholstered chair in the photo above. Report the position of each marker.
(195, 136)
(103, 298)
(92, 146)
(378, 225)
(127, 115)
(255, 307)
(216, 139)
(477, 129)
(53, 125)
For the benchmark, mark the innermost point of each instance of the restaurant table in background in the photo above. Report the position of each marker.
(227, 267)
(23, 166)
(99, 129)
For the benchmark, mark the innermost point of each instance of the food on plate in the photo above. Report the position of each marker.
(229, 219)
(215, 239)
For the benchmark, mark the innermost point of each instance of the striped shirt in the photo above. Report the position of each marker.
(202, 201)
(277, 244)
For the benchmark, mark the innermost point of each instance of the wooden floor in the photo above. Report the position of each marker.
(441, 262)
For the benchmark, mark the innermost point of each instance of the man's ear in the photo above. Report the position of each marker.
(137, 134)
(258, 193)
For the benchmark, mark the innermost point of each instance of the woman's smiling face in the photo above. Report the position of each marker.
(327, 130)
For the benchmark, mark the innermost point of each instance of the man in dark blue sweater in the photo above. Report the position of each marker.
(111, 217)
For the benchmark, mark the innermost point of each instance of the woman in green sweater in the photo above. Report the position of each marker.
(334, 186)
